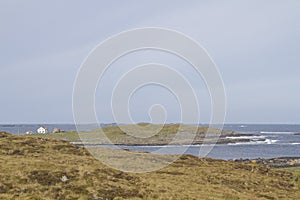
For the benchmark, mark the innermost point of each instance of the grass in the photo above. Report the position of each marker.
(42, 168)
(295, 170)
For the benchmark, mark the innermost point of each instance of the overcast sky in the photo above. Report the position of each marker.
(255, 44)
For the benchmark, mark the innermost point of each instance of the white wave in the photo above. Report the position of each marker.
(276, 132)
(266, 141)
(247, 137)
(269, 141)
(295, 143)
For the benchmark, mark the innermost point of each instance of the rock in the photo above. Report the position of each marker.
(56, 130)
(64, 178)
(274, 162)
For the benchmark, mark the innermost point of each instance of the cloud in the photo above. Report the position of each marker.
(254, 43)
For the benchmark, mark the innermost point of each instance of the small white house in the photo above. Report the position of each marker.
(42, 130)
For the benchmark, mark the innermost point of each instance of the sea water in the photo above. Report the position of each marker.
(267, 141)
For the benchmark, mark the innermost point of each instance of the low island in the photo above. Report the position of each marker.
(150, 134)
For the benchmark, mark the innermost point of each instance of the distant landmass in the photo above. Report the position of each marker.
(150, 134)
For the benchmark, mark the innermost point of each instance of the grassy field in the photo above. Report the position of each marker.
(40, 168)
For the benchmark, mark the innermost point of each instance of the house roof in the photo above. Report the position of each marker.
(42, 127)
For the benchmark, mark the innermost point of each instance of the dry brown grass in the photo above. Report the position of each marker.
(33, 168)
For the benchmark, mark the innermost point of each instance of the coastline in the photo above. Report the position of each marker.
(163, 143)
(277, 162)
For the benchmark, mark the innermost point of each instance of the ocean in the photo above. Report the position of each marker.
(267, 141)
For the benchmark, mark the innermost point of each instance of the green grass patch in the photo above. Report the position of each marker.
(126, 133)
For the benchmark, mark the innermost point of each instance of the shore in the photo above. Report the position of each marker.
(160, 141)
(281, 162)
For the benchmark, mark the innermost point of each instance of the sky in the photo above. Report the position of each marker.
(255, 45)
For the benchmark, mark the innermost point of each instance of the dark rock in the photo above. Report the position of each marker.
(281, 162)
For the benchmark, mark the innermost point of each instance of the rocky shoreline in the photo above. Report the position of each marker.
(161, 143)
(281, 162)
